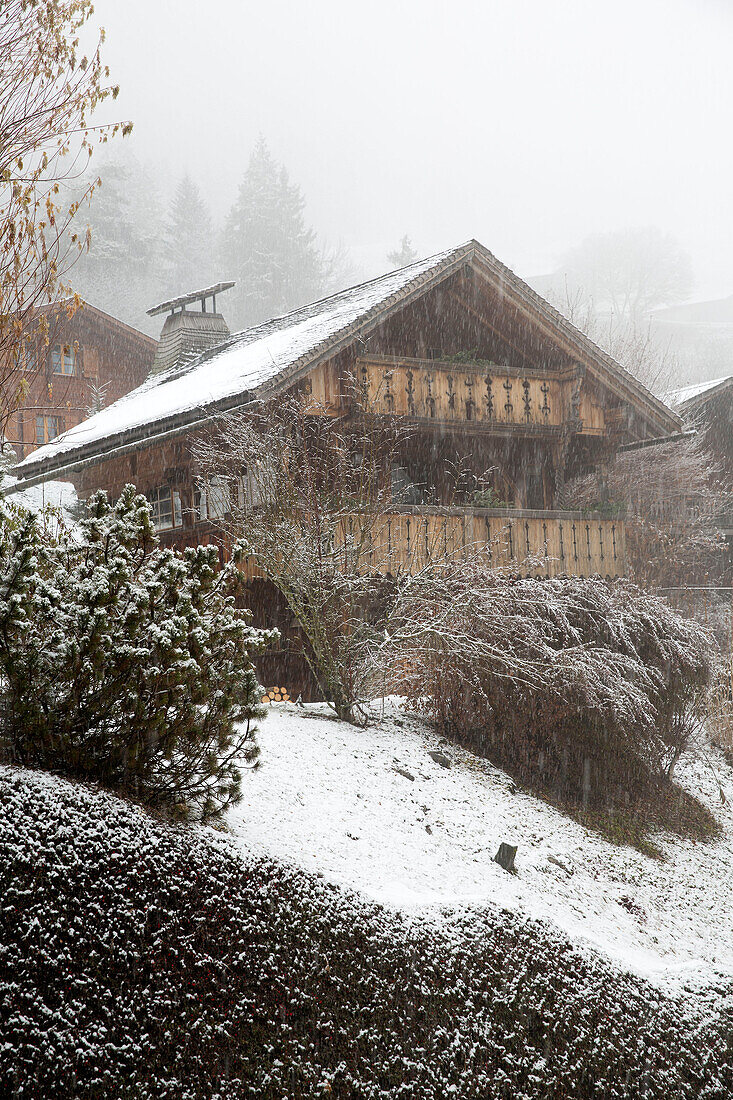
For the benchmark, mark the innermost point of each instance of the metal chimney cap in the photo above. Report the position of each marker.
(195, 296)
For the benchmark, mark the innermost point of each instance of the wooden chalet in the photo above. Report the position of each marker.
(481, 367)
(66, 367)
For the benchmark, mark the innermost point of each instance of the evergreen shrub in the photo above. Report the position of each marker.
(125, 663)
(141, 960)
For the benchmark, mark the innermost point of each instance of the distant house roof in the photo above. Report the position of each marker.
(686, 399)
(87, 307)
(715, 311)
(270, 356)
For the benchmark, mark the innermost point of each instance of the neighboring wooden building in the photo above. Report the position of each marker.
(707, 407)
(81, 360)
(477, 363)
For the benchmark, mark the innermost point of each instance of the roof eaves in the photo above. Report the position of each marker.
(328, 347)
(704, 395)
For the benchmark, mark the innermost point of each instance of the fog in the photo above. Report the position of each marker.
(525, 124)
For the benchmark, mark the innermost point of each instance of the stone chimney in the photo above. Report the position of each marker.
(188, 332)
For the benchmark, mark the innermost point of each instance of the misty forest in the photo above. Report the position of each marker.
(366, 532)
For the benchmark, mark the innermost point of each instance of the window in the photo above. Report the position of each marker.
(211, 501)
(48, 428)
(404, 490)
(248, 491)
(25, 357)
(63, 359)
(217, 498)
(258, 486)
(165, 504)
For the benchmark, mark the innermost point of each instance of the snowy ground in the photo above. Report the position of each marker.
(335, 800)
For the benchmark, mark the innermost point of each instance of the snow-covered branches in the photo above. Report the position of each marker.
(565, 667)
(672, 494)
(307, 498)
(124, 663)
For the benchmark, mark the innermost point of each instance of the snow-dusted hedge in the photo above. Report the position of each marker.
(145, 960)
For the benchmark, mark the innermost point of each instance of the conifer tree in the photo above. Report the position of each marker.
(188, 246)
(404, 255)
(122, 272)
(124, 663)
(267, 246)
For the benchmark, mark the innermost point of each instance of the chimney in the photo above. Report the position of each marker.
(188, 332)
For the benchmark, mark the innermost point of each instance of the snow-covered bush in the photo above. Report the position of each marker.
(125, 663)
(568, 675)
(141, 960)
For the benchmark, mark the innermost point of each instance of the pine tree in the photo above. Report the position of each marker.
(122, 272)
(188, 245)
(404, 255)
(267, 246)
(124, 663)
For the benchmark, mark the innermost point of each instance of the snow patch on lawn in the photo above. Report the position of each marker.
(373, 811)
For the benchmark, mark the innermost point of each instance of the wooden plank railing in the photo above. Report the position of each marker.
(523, 541)
(537, 542)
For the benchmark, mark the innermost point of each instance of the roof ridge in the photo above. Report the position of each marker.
(310, 309)
(564, 323)
(436, 256)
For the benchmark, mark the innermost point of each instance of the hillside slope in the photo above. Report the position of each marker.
(373, 811)
(142, 960)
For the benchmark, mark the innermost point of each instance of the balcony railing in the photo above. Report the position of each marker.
(444, 391)
(522, 541)
(492, 396)
(537, 542)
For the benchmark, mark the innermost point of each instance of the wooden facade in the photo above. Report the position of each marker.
(60, 371)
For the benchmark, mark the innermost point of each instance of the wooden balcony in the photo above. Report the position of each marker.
(537, 542)
(544, 544)
(488, 395)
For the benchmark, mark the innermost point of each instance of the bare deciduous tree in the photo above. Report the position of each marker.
(632, 342)
(307, 495)
(49, 89)
(630, 271)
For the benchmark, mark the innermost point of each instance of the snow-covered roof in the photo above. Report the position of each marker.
(678, 398)
(239, 365)
(249, 363)
(59, 495)
(713, 311)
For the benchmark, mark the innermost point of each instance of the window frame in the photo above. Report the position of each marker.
(174, 513)
(44, 420)
(65, 355)
(212, 500)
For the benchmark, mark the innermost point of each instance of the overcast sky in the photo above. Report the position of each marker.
(527, 124)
